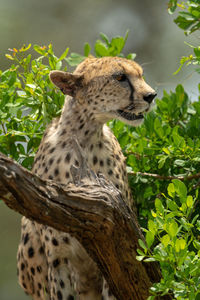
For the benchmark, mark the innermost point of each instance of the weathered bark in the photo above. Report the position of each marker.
(93, 211)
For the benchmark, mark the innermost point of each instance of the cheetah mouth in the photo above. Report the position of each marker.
(130, 116)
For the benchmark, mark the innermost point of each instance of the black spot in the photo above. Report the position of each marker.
(95, 160)
(100, 145)
(52, 150)
(59, 295)
(67, 174)
(45, 170)
(91, 147)
(63, 132)
(56, 262)
(117, 186)
(108, 161)
(26, 238)
(50, 177)
(117, 157)
(81, 126)
(22, 266)
(32, 270)
(39, 286)
(101, 163)
(64, 144)
(66, 240)
(70, 297)
(86, 132)
(30, 252)
(117, 176)
(76, 163)
(39, 269)
(38, 293)
(68, 157)
(41, 250)
(56, 172)
(54, 242)
(51, 161)
(58, 160)
(46, 238)
(62, 285)
(110, 172)
(24, 285)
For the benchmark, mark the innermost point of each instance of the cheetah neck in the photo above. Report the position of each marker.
(78, 120)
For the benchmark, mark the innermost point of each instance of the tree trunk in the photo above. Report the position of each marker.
(92, 210)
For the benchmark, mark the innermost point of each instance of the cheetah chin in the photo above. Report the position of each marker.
(129, 116)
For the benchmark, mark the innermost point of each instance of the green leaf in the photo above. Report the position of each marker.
(152, 226)
(172, 5)
(165, 240)
(142, 244)
(139, 258)
(189, 201)
(159, 206)
(87, 49)
(63, 55)
(100, 49)
(180, 244)
(9, 56)
(105, 38)
(149, 238)
(171, 190)
(172, 228)
(180, 189)
(75, 59)
(150, 259)
(131, 56)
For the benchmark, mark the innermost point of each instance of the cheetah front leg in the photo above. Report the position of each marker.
(32, 263)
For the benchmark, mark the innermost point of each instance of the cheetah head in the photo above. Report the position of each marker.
(112, 88)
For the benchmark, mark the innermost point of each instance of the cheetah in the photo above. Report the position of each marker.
(53, 265)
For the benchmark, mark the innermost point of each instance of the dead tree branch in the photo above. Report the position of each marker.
(93, 211)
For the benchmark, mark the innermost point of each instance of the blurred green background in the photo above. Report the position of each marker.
(158, 42)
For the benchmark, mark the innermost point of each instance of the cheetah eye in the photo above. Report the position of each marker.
(120, 77)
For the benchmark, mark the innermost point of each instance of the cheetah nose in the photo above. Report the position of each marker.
(149, 97)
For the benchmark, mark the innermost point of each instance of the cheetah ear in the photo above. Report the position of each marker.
(66, 82)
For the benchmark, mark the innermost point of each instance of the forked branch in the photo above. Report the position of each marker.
(93, 211)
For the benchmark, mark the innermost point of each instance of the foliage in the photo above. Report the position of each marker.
(189, 14)
(189, 20)
(172, 229)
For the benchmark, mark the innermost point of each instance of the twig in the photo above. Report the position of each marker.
(161, 177)
(3, 127)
